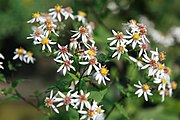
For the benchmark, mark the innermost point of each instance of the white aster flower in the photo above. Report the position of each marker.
(151, 64)
(82, 32)
(143, 32)
(19, 53)
(63, 52)
(160, 55)
(172, 86)
(67, 12)
(28, 57)
(45, 43)
(143, 48)
(37, 34)
(139, 63)
(73, 43)
(66, 65)
(143, 89)
(89, 114)
(82, 100)
(119, 50)
(118, 38)
(2, 57)
(81, 17)
(92, 63)
(135, 39)
(65, 100)
(132, 25)
(36, 18)
(91, 52)
(162, 81)
(49, 101)
(101, 75)
(56, 12)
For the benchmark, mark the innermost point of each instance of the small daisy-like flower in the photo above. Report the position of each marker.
(167, 70)
(49, 101)
(81, 17)
(37, 34)
(65, 100)
(48, 24)
(143, 48)
(67, 12)
(82, 100)
(162, 81)
(90, 27)
(143, 89)
(73, 43)
(56, 12)
(172, 86)
(2, 57)
(101, 75)
(91, 52)
(118, 38)
(164, 93)
(92, 63)
(143, 32)
(139, 63)
(28, 57)
(119, 50)
(135, 38)
(63, 52)
(160, 69)
(82, 32)
(50, 28)
(19, 53)
(132, 24)
(151, 64)
(160, 55)
(66, 65)
(89, 114)
(45, 43)
(36, 18)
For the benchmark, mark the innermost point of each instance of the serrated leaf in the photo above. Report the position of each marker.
(98, 95)
(122, 111)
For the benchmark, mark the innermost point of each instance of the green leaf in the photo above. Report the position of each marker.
(7, 91)
(98, 95)
(15, 83)
(11, 67)
(73, 76)
(122, 111)
(2, 77)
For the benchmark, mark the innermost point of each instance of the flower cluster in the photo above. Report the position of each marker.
(23, 55)
(136, 39)
(1, 57)
(76, 101)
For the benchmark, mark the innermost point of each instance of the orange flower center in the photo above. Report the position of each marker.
(49, 102)
(121, 48)
(20, 51)
(93, 61)
(83, 98)
(91, 113)
(119, 36)
(67, 63)
(67, 100)
(145, 87)
(153, 63)
(57, 8)
(82, 30)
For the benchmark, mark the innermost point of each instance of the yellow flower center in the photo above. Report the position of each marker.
(81, 13)
(45, 41)
(20, 51)
(91, 52)
(104, 71)
(161, 56)
(121, 48)
(29, 53)
(164, 81)
(82, 29)
(145, 87)
(160, 66)
(36, 15)
(174, 85)
(99, 109)
(119, 36)
(136, 36)
(48, 22)
(91, 113)
(58, 8)
(133, 22)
